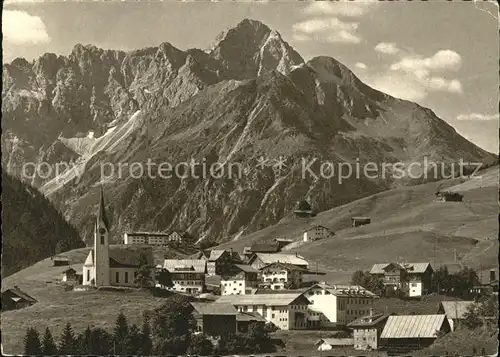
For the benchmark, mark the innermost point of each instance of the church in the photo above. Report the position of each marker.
(116, 265)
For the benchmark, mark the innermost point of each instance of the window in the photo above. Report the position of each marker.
(413, 285)
(88, 275)
(117, 277)
(272, 316)
(126, 277)
(102, 239)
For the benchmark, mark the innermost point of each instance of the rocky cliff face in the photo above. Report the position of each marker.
(251, 96)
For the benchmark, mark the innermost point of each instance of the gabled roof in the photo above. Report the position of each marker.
(317, 226)
(335, 341)
(265, 247)
(411, 268)
(369, 321)
(215, 254)
(185, 265)
(455, 309)
(210, 308)
(250, 317)
(120, 257)
(264, 299)
(20, 294)
(413, 326)
(282, 258)
(287, 266)
(69, 270)
(237, 269)
(344, 290)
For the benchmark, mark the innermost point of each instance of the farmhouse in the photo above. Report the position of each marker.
(260, 260)
(360, 221)
(285, 311)
(215, 319)
(279, 276)
(454, 311)
(60, 261)
(188, 275)
(239, 279)
(72, 276)
(414, 279)
(245, 319)
(367, 330)
(15, 298)
(412, 332)
(112, 267)
(337, 305)
(315, 233)
(218, 260)
(446, 196)
(303, 209)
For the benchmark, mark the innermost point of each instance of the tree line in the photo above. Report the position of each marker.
(167, 330)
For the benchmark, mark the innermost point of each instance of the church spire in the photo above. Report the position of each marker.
(102, 213)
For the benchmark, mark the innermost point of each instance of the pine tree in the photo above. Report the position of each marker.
(146, 342)
(32, 344)
(84, 345)
(133, 344)
(67, 343)
(48, 345)
(120, 334)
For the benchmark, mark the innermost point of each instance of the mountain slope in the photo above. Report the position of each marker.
(250, 96)
(31, 227)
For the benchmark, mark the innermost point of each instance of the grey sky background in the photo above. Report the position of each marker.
(442, 55)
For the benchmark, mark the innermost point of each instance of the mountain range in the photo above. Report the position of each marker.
(249, 99)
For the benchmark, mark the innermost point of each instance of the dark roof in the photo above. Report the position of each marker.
(129, 258)
(21, 294)
(250, 316)
(238, 268)
(265, 247)
(69, 270)
(102, 213)
(369, 321)
(287, 266)
(208, 308)
(359, 218)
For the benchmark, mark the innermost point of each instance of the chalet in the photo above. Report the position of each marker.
(260, 260)
(285, 311)
(337, 305)
(215, 319)
(15, 298)
(218, 260)
(487, 286)
(367, 330)
(303, 209)
(60, 261)
(454, 311)
(283, 242)
(360, 221)
(188, 275)
(72, 276)
(316, 233)
(245, 319)
(279, 276)
(327, 344)
(413, 279)
(239, 279)
(406, 333)
(446, 196)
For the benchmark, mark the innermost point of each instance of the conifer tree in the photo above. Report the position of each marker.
(48, 345)
(32, 344)
(120, 334)
(67, 343)
(146, 342)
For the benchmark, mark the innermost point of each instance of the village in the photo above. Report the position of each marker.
(267, 285)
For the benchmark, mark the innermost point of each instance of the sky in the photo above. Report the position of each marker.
(442, 55)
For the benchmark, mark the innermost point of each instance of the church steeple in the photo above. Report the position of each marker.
(102, 219)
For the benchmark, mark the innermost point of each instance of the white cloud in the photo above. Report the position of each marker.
(323, 21)
(338, 8)
(360, 65)
(21, 28)
(387, 48)
(413, 77)
(444, 59)
(478, 117)
(326, 30)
